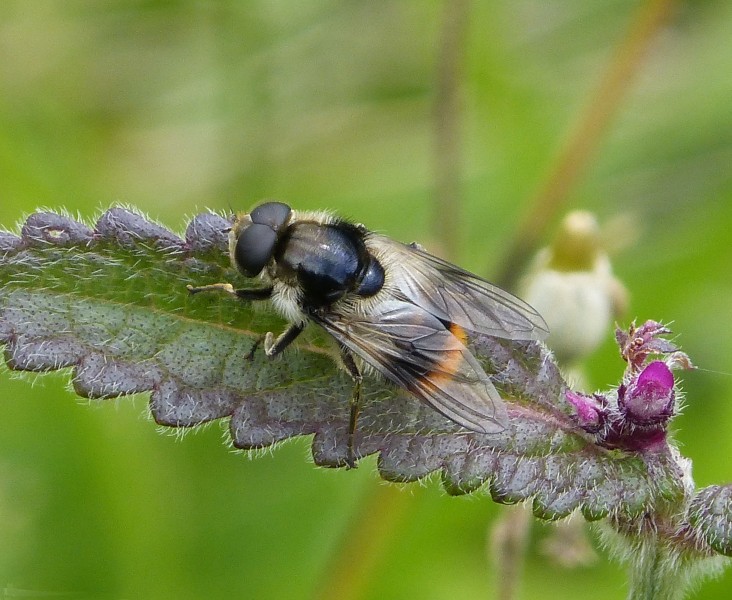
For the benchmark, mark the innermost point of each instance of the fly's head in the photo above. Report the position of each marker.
(254, 236)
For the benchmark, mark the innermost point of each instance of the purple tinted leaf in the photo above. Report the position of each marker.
(8, 241)
(128, 229)
(112, 305)
(51, 228)
(649, 399)
(208, 231)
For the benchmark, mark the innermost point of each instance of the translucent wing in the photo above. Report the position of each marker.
(413, 349)
(458, 296)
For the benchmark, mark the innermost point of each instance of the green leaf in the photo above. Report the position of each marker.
(110, 303)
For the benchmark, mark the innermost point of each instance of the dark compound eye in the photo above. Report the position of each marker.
(254, 248)
(273, 214)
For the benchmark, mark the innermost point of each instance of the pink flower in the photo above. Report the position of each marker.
(649, 399)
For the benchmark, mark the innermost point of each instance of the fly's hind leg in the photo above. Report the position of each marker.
(355, 373)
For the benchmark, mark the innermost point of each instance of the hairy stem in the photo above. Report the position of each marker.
(655, 573)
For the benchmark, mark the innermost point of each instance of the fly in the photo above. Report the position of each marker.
(392, 308)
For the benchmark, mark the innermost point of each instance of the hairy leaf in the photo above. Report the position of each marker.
(710, 514)
(110, 302)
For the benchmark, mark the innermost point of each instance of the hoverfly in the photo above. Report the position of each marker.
(392, 308)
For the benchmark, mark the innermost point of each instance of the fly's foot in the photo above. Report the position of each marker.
(215, 287)
(269, 344)
(351, 453)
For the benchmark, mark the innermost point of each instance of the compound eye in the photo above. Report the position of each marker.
(274, 214)
(254, 248)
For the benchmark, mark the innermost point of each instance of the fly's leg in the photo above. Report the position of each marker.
(247, 294)
(355, 373)
(251, 294)
(272, 346)
(214, 287)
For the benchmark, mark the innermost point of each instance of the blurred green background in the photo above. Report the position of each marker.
(176, 106)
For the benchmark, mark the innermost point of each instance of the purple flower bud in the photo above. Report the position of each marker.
(636, 417)
(649, 399)
(591, 410)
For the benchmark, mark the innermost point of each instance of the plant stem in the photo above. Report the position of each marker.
(656, 573)
(509, 540)
(366, 542)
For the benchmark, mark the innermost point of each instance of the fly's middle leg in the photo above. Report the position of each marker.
(272, 346)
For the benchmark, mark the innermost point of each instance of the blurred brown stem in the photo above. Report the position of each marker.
(357, 558)
(575, 156)
(447, 113)
(508, 541)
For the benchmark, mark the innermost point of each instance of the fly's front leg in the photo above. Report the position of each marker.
(251, 294)
(214, 287)
(355, 373)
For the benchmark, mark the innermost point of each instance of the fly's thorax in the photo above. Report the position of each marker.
(322, 217)
(327, 261)
(371, 304)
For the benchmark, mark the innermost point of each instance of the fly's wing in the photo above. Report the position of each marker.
(458, 296)
(413, 349)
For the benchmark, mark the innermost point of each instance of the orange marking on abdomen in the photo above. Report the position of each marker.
(452, 357)
(459, 333)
